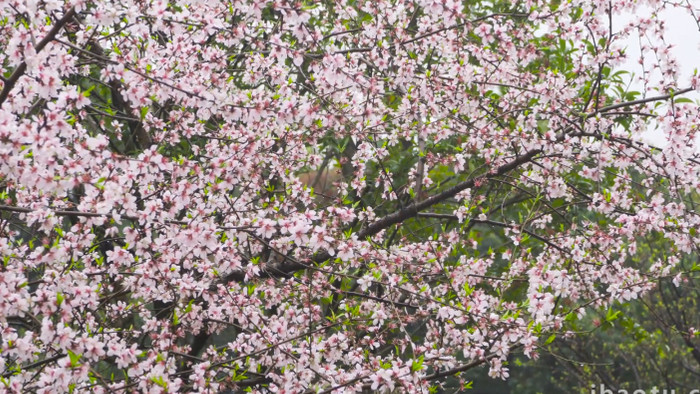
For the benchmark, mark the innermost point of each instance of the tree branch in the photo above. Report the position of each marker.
(465, 367)
(10, 208)
(288, 267)
(434, 376)
(641, 101)
(19, 71)
(422, 36)
(36, 364)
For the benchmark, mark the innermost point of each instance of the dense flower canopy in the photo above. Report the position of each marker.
(160, 230)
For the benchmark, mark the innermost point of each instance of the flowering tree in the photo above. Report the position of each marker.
(157, 234)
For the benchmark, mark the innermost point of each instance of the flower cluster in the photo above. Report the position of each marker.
(157, 233)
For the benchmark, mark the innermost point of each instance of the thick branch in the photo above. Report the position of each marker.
(288, 267)
(413, 209)
(19, 71)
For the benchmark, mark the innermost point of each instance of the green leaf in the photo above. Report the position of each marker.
(681, 100)
(74, 359)
(417, 365)
(159, 381)
(612, 315)
(188, 309)
(550, 339)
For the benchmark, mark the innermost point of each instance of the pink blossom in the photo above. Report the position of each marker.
(493, 188)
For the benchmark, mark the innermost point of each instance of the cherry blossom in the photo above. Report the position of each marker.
(161, 230)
